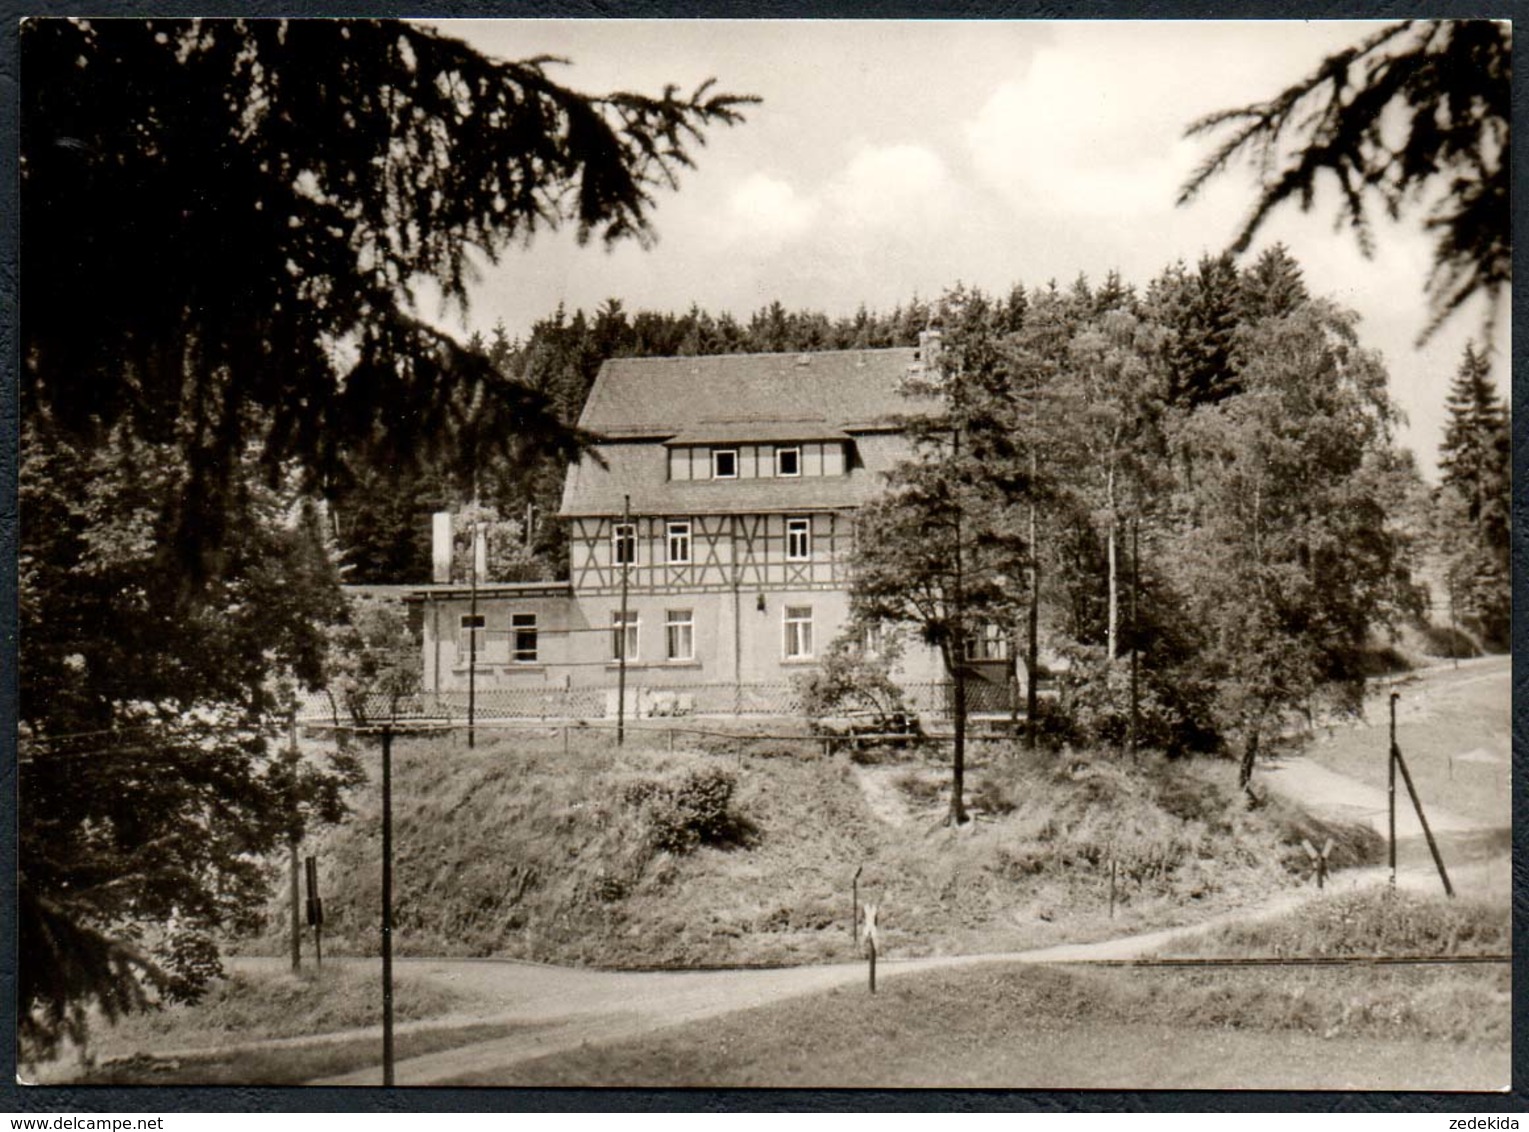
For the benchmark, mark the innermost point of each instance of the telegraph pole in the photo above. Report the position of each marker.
(387, 905)
(1135, 584)
(626, 551)
(472, 637)
(1391, 786)
(297, 930)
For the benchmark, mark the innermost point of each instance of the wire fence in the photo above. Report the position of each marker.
(934, 701)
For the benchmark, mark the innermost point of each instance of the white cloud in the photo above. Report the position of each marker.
(1070, 136)
(891, 186)
(767, 208)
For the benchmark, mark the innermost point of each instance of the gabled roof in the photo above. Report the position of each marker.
(833, 391)
(640, 405)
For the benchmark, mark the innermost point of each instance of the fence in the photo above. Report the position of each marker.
(931, 701)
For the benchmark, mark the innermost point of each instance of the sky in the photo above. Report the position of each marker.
(888, 159)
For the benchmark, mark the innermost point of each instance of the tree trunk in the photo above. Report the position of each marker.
(958, 754)
(1113, 647)
(1032, 644)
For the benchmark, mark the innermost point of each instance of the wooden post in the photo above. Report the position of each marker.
(316, 911)
(387, 906)
(854, 905)
(1391, 786)
(1417, 804)
(1112, 886)
(870, 942)
(1135, 584)
(297, 928)
(472, 640)
(1318, 858)
(626, 568)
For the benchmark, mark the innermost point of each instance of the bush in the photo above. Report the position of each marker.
(1174, 713)
(691, 811)
(847, 680)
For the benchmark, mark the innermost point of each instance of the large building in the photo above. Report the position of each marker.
(721, 501)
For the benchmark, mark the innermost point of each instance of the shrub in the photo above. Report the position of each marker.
(848, 679)
(1174, 711)
(690, 811)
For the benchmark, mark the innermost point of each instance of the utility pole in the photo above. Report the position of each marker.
(472, 638)
(387, 906)
(1135, 583)
(626, 551)
(1033, 643)
(297, 930)
(1391, 786)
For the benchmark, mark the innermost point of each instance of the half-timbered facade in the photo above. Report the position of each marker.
(719, 507)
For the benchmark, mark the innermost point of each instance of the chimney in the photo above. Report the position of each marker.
(480, 551)
(929, 349)
(440, 547)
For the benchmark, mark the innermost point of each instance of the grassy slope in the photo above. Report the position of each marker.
(515, 849)
(1005, 1025)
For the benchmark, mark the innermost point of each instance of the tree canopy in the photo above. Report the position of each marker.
(1418, 113)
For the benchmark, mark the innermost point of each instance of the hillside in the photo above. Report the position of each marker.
(514, 849)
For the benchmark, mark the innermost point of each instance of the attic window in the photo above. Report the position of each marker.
(788, 461)
(724, 464)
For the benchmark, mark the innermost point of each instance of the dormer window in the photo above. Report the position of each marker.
(724, 463)
(788, 461)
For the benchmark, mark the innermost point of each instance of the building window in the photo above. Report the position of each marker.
(473, 637)
(798, 632)
(624, 544)
(679, 634)
(679, 543)
(788, 461)
(798, 540)
(523, 636)
(724, 464)
(872, 638)
(989, 644)
(623, 644)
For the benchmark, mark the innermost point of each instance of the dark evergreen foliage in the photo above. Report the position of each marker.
(1443, 86)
